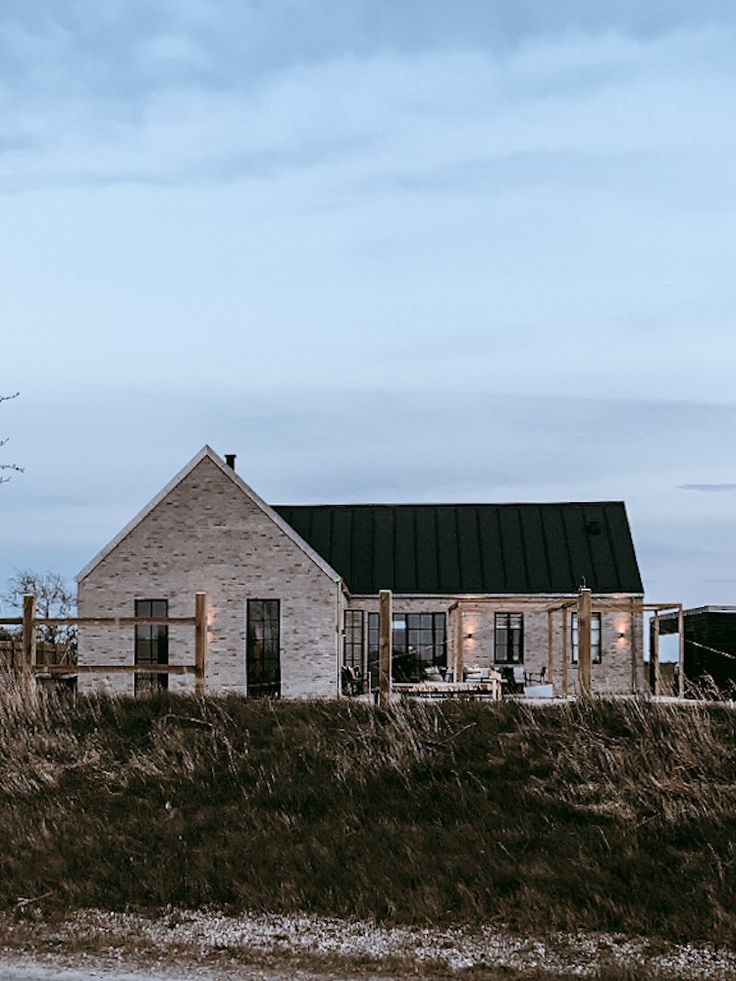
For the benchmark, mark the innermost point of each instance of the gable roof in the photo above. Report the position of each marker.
(473, 548)
(209, 454)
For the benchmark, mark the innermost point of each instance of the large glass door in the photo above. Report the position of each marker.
(263, 657)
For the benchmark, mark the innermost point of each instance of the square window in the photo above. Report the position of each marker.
(509, 638)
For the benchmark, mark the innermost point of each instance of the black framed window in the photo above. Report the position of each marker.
(509, 638)
(263, 655)
(419, 642)
(595, 638)
(373, 645)
(353, 653)
(151, 645)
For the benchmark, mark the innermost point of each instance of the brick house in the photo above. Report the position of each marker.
(293, 590)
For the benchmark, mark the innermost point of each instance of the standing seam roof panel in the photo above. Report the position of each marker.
(383, 546)
(468, 548)
(428, 577)
(538, 572)
(598, 543)
(513, 549)
(448, 558)
(404, 551)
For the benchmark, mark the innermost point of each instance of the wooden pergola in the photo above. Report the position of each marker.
(584, 604)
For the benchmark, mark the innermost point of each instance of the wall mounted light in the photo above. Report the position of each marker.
(468, 636)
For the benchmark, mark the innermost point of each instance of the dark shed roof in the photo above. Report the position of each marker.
(473, 548)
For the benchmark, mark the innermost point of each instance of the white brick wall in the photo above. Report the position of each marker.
(207, 535)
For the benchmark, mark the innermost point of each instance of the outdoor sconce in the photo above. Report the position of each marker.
(621, 635)
(468, 636)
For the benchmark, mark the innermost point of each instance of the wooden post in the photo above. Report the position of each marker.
(654, 655)
(200, 641)
(550, 652)
(459, 652)
(385, 628)
(29, 631)
(584, 618)
(636, 679)
(681, 653)
(563, 614)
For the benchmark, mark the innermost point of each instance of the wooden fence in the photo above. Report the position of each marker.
(33, 655)
(58, 654)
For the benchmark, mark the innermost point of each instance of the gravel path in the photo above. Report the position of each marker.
(207, 944)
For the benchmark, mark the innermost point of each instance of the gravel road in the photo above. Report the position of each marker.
(180, 944)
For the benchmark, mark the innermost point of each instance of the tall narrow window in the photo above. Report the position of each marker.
(509, 645)
(373, 650)
(353, 659)
(263, 656)
(595, 638)
(419, 643)
(151, 645)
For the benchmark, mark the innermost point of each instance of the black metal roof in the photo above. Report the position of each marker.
(473, 548)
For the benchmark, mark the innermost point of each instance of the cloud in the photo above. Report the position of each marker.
(417, 94)
(382, 250)
(708, 488)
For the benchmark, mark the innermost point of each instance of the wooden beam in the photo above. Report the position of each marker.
(385, 629)
(29, 631)
(550, 650)
(654, 656)
(116, 621)
(584, 619)
(602, 606)
(200, 641)
(681, 652)
(115, 668)
(635, 676)
(459, 645)
(565, 682)
(513, 602)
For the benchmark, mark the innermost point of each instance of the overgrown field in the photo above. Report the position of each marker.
(611, 816)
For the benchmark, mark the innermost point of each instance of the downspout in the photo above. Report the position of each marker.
(339, 589)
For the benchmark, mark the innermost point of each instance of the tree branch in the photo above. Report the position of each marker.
(8, 466)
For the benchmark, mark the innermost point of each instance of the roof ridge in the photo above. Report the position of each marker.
(451, 504)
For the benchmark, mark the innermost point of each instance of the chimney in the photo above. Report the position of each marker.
(230, 460)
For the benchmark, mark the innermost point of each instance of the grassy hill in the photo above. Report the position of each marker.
(612, 816)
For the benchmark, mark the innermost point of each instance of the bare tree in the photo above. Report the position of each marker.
(8, 466)
(54, 598)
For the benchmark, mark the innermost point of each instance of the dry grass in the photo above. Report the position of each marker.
(610, 816)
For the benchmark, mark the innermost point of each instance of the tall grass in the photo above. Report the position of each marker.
(598, 815)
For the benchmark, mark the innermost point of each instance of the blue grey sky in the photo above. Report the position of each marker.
(384, 250)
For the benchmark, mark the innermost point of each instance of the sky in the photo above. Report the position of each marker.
(383, 251)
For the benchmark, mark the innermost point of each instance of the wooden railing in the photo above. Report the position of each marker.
(30, 649)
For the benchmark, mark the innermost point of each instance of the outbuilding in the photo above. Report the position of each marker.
(709, 647)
